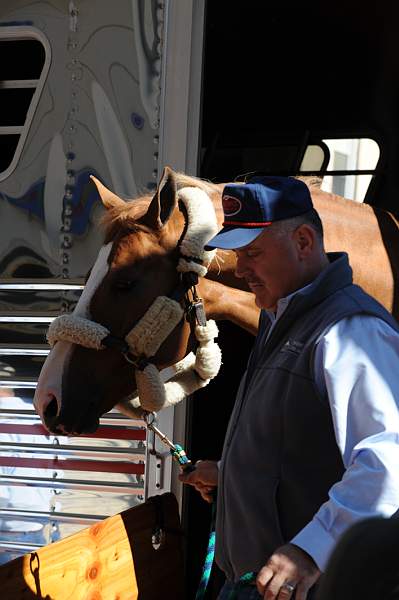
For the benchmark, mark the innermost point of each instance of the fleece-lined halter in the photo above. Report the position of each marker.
(143, 341)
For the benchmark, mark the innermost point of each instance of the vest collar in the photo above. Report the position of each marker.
(339, 263)
(336, 276)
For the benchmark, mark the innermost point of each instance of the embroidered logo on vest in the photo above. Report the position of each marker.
(293, 346)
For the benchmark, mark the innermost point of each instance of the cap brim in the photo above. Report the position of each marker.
(230, 238)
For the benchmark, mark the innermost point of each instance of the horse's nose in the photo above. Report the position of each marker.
(50, 411)
(47, 406)
(48, 394)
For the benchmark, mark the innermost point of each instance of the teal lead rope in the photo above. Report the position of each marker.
(179, 455)
(246, 579)
(207, 567)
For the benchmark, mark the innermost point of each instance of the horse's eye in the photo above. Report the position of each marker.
(124, 285)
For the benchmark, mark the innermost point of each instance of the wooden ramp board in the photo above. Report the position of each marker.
(114, 559)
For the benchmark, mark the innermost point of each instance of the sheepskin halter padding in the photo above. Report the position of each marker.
(195, 370)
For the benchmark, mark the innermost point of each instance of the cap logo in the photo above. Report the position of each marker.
(231, 205)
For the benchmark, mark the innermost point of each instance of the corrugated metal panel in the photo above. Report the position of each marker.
(51, 487)
(99, 113)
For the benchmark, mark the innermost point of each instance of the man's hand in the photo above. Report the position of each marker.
(289, 573)
(204, 478)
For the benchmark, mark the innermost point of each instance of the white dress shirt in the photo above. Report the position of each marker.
(357, 364)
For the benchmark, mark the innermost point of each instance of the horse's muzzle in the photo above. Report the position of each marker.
(59, 425)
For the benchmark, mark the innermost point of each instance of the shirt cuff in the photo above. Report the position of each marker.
(316, 541)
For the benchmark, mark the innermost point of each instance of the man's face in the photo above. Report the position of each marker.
(271, 266)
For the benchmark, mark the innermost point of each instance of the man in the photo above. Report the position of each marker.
(312, 443)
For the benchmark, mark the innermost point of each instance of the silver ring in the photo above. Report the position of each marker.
(290, 587)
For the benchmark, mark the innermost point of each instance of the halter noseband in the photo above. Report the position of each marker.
(143, 341)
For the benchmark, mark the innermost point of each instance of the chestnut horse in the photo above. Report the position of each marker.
(138, 263)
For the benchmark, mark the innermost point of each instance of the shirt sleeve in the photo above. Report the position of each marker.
(357, 362)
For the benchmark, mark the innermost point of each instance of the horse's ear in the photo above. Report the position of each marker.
(108, 198)
(164, 202)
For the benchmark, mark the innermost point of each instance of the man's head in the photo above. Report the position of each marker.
(276, 234)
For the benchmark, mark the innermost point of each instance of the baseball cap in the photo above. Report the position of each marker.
(250, 207)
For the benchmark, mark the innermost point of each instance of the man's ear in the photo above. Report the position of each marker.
(164, 201)
(305, 238)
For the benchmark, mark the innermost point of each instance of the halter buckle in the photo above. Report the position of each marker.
(149, 417)
(196, 307)
(199, 311)
(139, 362)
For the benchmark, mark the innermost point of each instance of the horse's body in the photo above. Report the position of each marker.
(371, 238)
(138, 263)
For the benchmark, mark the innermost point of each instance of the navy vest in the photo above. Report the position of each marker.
(280, 456)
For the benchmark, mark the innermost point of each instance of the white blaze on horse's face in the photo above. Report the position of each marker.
(48, 394)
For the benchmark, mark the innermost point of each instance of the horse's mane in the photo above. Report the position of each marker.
(124, 218)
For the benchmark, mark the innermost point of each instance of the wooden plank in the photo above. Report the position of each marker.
(111, 560)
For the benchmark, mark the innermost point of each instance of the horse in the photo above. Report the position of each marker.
(139, 263)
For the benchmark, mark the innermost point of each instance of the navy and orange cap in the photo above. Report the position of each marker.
(250, 207)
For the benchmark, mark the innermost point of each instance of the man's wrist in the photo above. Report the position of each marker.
(316, 541)
(305, 553)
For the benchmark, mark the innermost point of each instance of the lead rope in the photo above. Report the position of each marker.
(209, 557)
(245, 579)
(186, 465)
(179, 455)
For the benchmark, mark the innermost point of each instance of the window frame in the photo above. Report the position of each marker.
(16, 33)
(325, 171)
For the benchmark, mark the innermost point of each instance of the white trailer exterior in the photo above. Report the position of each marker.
(89, 87)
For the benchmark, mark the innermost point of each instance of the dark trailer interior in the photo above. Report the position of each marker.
(279, 77)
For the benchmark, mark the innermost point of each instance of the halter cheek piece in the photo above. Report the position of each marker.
(141, 344)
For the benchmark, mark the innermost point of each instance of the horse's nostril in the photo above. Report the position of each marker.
(50, 414)
(51, 409)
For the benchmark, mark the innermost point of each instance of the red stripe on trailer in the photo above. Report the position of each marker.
(112, 433)
(74, 465)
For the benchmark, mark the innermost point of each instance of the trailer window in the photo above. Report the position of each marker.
(350, 164)
(345, 165)
(25, 58)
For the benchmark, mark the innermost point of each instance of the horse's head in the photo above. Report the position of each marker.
(137, 265)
